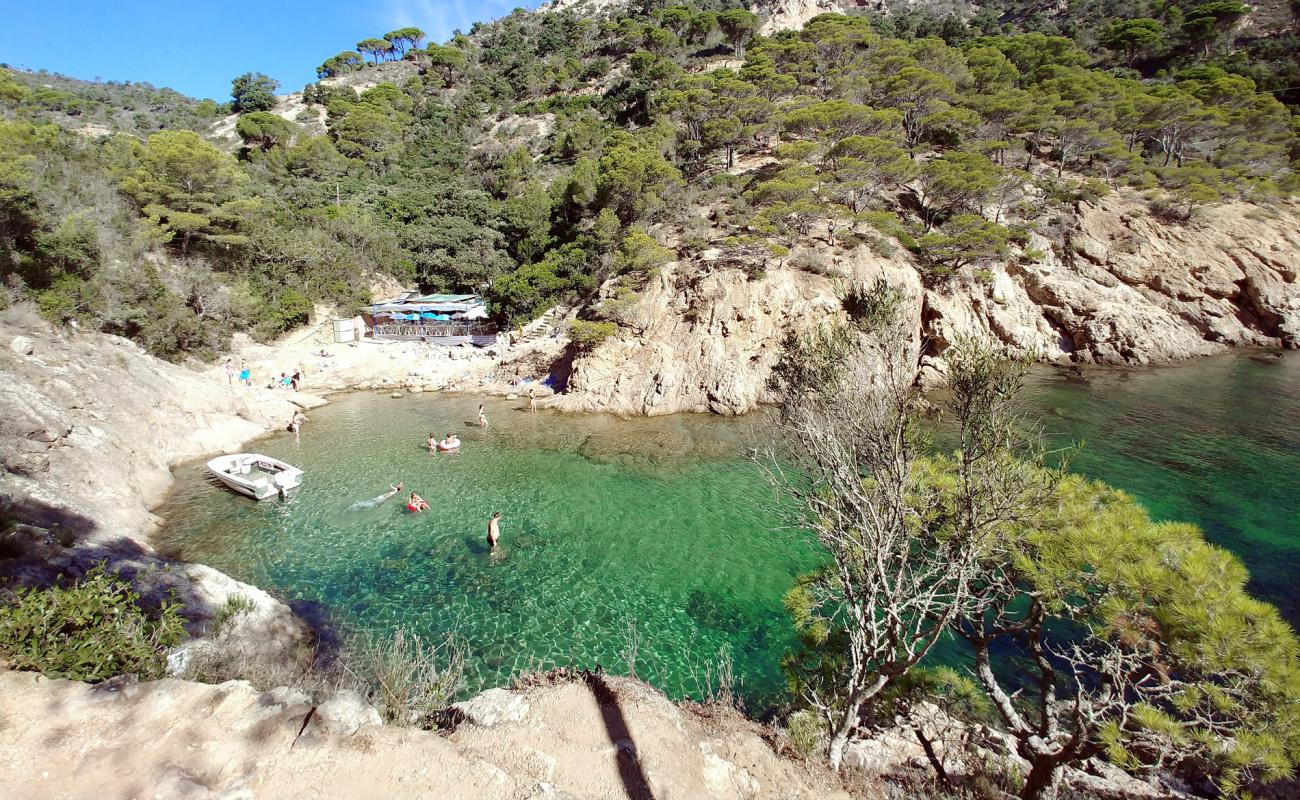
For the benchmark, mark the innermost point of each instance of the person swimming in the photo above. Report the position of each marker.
(416, 504)
(374, 501)
(494, 530)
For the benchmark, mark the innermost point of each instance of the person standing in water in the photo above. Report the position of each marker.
(532, 399)
(494, 529)
(433, 442)
(482, 418)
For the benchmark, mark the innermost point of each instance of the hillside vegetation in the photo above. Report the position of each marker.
(540, 155)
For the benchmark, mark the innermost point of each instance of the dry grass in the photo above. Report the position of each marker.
(407, 678)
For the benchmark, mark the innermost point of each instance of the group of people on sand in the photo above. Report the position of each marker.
(287, 380)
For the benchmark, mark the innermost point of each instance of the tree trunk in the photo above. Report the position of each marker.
(928, 747)
(844, 727)
(1043, 779)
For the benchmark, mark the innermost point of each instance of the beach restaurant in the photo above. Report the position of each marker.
(448, 319)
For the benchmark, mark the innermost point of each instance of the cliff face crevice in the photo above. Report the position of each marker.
(1118, 286)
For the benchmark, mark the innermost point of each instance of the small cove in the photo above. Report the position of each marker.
(660, 526)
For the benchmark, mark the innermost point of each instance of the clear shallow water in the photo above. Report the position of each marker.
(661, 525)
(606, 524)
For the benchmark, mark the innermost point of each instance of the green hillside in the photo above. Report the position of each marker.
(540, 155)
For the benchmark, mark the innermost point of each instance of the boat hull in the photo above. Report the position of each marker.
(255, 475)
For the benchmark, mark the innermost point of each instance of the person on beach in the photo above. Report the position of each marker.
(416, 504)
(285, 381)
(245, 374)
(482, 418)
(494, 529)
(230, 373)
(296, 378)
(433, 442)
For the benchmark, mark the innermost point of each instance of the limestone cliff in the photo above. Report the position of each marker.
(1115, 285)
(90, 426)
(708, 335)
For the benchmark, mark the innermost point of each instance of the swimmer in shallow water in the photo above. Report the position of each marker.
(416, 503)
(374, 501)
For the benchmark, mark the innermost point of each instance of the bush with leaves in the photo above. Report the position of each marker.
(88, 630)
(587, 335)
(964, 239)
(409, 679)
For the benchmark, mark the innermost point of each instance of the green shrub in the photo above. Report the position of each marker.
(294, 308)
(235, 605)
(807, 733)
(89, 631)
(586, 335)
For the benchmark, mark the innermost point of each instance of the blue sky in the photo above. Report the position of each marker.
(197, 47)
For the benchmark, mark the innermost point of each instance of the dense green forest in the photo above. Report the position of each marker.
(536, 157)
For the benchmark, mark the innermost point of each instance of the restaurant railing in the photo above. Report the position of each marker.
(429, 330)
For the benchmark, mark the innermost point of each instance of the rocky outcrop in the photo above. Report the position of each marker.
(1125, 288)
(791, 15)
(708, 335)
(602, 737)
(90, 426)
(1116, 286)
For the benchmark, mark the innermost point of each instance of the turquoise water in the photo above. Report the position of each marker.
(616, 529)
(611, 530)
(1215, 442)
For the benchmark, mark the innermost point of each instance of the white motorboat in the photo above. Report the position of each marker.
(256, 475)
